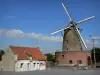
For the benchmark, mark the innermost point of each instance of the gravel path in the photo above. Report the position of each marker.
(55, 71)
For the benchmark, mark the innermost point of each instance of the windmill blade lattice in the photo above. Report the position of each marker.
(67, 12)
(85, 19)
(78, 32)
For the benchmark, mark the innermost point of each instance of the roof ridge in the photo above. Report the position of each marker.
(24, 46)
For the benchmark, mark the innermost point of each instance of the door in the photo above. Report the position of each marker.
(89, 60)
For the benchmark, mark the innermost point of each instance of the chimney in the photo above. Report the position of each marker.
(38, 48)
(36, 43)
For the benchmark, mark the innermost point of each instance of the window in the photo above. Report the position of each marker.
(28, 64)
(62, 55)
(67, 41)
(67, 49)
(81, 48)
(70, 62)
(21, 65)
(34, 64)
(40, 64)
(80, 61)
(37, 63)
(57, 62)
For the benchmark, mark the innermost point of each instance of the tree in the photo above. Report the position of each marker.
(50, 57)
(1, 53)
(97, 54)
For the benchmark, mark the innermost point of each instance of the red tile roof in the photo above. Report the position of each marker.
(21, 53)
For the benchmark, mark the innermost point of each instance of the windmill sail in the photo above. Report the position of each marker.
(72, 39)
(80, 37)
(67, 12)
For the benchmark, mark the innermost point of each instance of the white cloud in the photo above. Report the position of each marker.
(89, 43)
(14, 33)
(96, 37)
(44, 38)
(11, 33)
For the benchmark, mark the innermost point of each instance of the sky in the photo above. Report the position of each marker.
(23, 22)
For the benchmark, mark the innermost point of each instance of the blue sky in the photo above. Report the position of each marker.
(22, 22)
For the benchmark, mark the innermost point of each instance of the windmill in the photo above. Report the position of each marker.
(72, 39)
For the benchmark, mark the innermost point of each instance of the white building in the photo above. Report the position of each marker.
(23, 59)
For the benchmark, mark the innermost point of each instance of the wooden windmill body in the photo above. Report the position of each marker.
(71, 40)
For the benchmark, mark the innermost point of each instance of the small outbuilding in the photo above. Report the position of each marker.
(18, 58)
